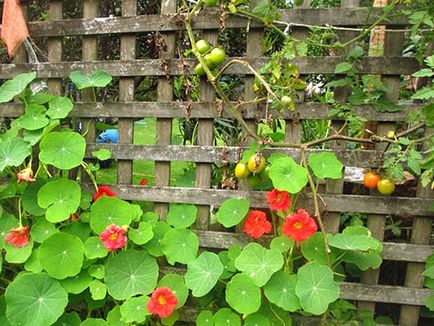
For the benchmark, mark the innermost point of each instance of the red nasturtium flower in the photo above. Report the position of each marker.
(278, 200)
(299, 226)
(256, 224)
(103, 191)
(114, 237)
(143, 182)
(25, 175)
(162, 302)
(18, 237)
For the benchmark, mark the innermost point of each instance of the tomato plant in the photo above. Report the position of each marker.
(371, 179)
(386, 187)
(217, 56)
(203, 46)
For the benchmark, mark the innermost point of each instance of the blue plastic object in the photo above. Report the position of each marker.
(108, 136)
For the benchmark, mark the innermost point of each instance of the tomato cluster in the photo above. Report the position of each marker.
(213, 56)
(255, 170)
(373, 180)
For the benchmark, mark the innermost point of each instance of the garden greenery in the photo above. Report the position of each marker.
(71, 247)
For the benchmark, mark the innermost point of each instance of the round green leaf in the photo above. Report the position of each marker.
(282, 243)
(142, 234)
(42, 229)
(102, 154)
(94, 248)
(35, 300)
(256, 319)
(325, 165)
(154, 246)
(10, 88)
(109, 210)
(228, 265)
(13, 152)
(175, 283)
(280, 290)
(97, 289)
(288, 175)
(181, 215)
(352, 242)
(94, 322)
(61, 198)
(64, 150)
(7, 222)
(226, 317)
(16, 255)
(232, 211)
(97, 271)
(98, 78)
(61, 255)
(259, 263)
(68, 319)
(180, 245)
(203, 273)
(34, 118)
(114, 317)
(59, 107)
(129, 273)
(32, 264)
(363, 260)
(242, 295)
(150, 217)
(29, 198)
(205, 318)
(81, 230)
(314, 249)
(316, 288)
(77, 283)
(133, 310)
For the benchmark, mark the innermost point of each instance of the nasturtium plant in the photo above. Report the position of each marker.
(288, 175)
(280, 290)
(176, 284)
(142, 234)
(98, 78)
(11, 88)
(109, 210)
(232, 211)
(133, 310)
(59, 107)
(34, 118)
(181, 215)
(325, 165)
(243, 295)
(180, 245)
(94, 248)
(102, 154)
(13, 152)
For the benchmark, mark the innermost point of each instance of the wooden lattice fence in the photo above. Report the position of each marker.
(90, 28)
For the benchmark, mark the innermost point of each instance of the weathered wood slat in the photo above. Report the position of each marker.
(208, 110)
(402, 206)
(391, 250)
(210, 154)
(205, 20)
(153, 67)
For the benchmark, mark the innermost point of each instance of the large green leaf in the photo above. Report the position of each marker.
(13, 87)
(203, 273)
(180, 245)
(353, 242)
(325, 165)
(181, 215)
(205, 318)
(142, 234)
(129, 273)
(243, 295)
(35, 300)
(175, 283)
(41, 229)
(154, 246)
(226, 317)
(280, 290)
(61, 255)
(109, 210)
(94, 248)
(98, 78)
(29, 198)
(259, 263)
(232, 211)
(59, 107)
(34, 118)
(314, 249)
(13, 152)
(61, 198)
(316, 288)
(133, 310)
(288, 175)
(77, 283)
(19, 255)
(64, 150)
(282, 243)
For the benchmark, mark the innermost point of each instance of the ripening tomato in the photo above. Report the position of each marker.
(371, 179)
(256, 163)
(241, 171)
(386, 187)
(203, 46)
(217, 56)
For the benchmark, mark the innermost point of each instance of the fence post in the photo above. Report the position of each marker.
(55, 47)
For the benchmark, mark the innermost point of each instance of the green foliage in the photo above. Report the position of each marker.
(232, 212)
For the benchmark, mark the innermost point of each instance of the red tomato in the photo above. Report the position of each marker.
(371, 179)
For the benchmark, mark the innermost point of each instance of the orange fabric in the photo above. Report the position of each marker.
(14, 28)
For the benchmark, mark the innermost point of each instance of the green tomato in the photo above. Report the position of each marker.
(385, 187)
(286, 100)
(298, 2)
(265, 174)
(208, 61)
(203, 46)
(199, 70)
(210, 3)
(254, 180)
(217, 56)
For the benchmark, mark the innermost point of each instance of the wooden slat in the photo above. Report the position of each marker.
(209, 20)
(153, 67)
(209, 154)
(402, 206)
(55, 46)
(207, 110)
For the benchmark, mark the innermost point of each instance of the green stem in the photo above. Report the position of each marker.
(90, 174)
